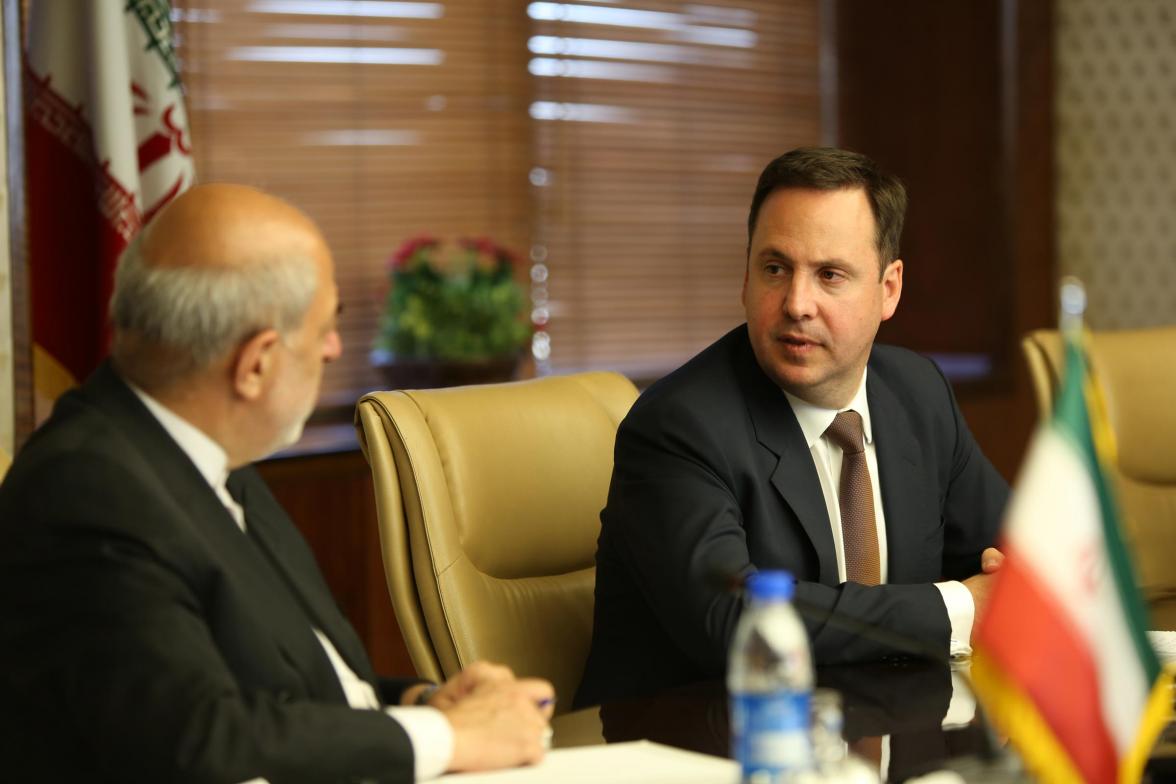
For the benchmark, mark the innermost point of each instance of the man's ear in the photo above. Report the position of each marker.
(254, 364)
(891, 288)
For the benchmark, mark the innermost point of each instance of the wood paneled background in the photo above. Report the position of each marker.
(957, 99)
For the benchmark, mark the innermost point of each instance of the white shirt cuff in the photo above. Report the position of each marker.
(962, 708)
(961, 611)
(431, 737)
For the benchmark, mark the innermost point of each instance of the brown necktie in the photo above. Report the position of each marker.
(859, 531)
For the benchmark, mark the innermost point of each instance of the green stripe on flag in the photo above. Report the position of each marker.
(1073, 420)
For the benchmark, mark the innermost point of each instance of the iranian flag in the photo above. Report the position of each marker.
(107, 145)
(1063, 663)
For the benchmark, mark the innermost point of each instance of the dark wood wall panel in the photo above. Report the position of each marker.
(920, 93)
(956, 98)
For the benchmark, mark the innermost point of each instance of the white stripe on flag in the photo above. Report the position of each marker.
(1055, 524)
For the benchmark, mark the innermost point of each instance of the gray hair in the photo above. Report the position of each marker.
(197, 314)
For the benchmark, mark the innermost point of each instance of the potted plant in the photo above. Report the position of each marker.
(454, 314)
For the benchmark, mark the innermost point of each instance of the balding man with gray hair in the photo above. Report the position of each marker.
(162, 618)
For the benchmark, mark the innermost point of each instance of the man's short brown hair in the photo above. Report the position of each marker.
(830, 169)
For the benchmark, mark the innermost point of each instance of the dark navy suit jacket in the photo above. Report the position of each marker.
(145, 637)
(713, 478)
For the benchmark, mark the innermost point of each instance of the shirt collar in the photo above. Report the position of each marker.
(815, 420)
(209, 457)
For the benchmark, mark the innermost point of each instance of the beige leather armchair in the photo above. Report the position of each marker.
(1137, 372)
(488, 499)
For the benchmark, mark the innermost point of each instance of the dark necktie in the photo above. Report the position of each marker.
(859, 531)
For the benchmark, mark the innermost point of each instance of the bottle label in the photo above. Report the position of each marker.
(770, 733)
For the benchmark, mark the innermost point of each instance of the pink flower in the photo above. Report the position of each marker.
(426, 249)
(491, 253)
(410, 248)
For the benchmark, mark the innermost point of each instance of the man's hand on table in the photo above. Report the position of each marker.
(498, 720)
(980, 585)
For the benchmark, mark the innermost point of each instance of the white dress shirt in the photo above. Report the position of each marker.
(428, 730)
(827, 456)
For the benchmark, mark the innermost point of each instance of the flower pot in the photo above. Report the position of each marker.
(414, 373)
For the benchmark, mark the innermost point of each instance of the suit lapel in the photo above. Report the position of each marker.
(271, 529)
(795, 476)
(899, 462)
(160, 454)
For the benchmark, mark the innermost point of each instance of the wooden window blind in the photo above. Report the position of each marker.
(383, 120)
(653, 121)
(615, 143)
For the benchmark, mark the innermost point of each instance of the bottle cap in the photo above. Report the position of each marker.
(771, 585)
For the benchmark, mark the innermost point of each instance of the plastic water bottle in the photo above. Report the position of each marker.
(770, 683)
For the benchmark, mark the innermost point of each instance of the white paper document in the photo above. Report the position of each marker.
(639, 762)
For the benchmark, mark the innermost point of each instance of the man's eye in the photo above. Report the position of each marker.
(774, 269)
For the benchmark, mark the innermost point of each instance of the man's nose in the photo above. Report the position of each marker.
(800, 301)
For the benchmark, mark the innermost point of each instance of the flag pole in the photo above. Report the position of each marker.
(1072, 307)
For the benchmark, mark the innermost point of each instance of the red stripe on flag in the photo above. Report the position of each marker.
(69, 280)
(79, 221)
(1024, 631)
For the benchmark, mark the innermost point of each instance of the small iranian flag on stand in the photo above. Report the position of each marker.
(1063, 663)
(107, 146)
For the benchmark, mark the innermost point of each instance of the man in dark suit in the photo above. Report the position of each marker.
(162, 620)
(729, 463)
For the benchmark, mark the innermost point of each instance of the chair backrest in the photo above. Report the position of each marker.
(488, 500)
(1136, 370)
